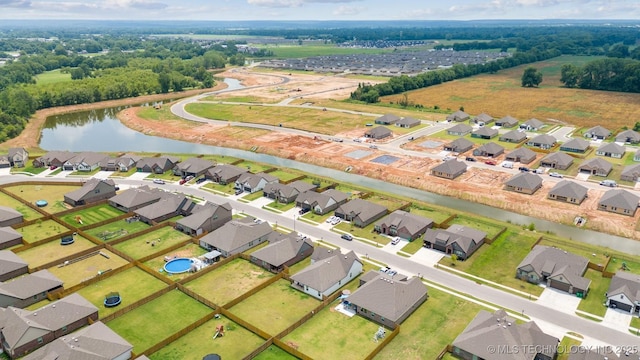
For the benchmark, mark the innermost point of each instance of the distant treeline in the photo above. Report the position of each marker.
(603, 74)
(398, 85)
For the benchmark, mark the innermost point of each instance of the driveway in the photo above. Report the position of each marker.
(427, 257)
(617, 319)
(138, 176)
(103, 174)
(582, 176)
(559, 300)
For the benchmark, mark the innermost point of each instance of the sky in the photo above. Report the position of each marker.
(319, 9)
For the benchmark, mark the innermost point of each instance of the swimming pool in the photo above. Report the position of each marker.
(178, 266)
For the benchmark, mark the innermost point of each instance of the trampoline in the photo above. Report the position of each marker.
(41, 203)
(67, 240)
(178, 266)
(112, 299)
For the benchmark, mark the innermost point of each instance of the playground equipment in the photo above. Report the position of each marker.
(112, 299)
(379, 334)
(219, 331)
(78, 219)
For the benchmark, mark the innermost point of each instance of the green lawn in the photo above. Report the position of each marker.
(158, 319)
(623, 264)
(442, 316)
(564, 348)
(276, 307)
(41, 230)
(280, 206)
(28, 169)
(437, 215)
(413, 246)
(77, 272)
(123, 174)
(254, 196)
(274, 353)
(581, 249)
(236, 342)
(254, 167)
(366, 232)
(188, 251)
(388, 202)
(27, 212)
(91, 215)
(116, 229)
(132, 284)
(446, 138)
(52, 77)
(492, 229)
(229, 281)
(284, 175)
(51, 251)
(153, 242)
(225, 189)
(53, 194)
(635, 322)
(317, 217)
(594, 303)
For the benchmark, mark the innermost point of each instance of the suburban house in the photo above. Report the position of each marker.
(595, 166)
(387, 119)
(630, 173)
(568, 191)
(628, 137)
(205, 218)
(96, 341)
(168, 206)
(23, 331)
(485, 133)
(135, 198)
(9, 237)
(575, 145)
(157, 165)
(490, 331)
(513, 136)
(532, 124)
(192, 167)
(53, 158)
(489, 149)
(236, 236)
(286, 251)
(459, 130)
(619, 202)
(408, 122)
(18, 157)
(28, 289)
(459, 145)
(85, 161)
(386, 301)
(597, 133)
(482, 119)
(544, 142)
(321, 203)
(557, 160)
(9, 216)
(378, 132)
(403, 224)
(92, 191)
(254, 182)
(624, 292)
(449, 169)
(287, 193)
(4, 162)
(324, 276)
(524, 182)
(556, 268)
(458, 116)
(636, 156)
(122, 163)
(507, 122)
(11, 265)
(224, 173)
(611, 150)
(360, 212)
(457, 239)
(521, 155)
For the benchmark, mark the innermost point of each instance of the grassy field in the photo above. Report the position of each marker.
(236, 343)
(280, 206)
(491, 229)
(157, 319)
(52, 77)
(27, 212)
(436, 214)
(153, 242)
(501, 94)
(218, 188)
(82, 270)
(41, 230)
(284, 175)
(274, 353)
(116, 229)
(188, 251)
(229, 281)
(28, 169)
(324, 122)
(388, 202)
(442, 315)
(253, 167)
(365, 232)
(239, 99)
(51, 251)
(276, 307)
(53, 194)
(92, 215)
(594, 301)
(132, 284)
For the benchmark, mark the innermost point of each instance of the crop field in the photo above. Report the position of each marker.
(501, 94)
(52, 251)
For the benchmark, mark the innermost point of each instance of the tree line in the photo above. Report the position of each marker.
(611, 74)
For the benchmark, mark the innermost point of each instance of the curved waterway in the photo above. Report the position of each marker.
(100, 130)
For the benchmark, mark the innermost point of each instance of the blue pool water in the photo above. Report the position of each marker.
(178, 266)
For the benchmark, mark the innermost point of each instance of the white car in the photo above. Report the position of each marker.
(395, 240)
(555, 174)
(158, 181)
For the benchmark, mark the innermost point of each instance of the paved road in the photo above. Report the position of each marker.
(535, 311)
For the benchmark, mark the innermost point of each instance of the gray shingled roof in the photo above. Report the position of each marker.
(288, 190)
(631, 135)
(525, 180)
(201, 214)
(484, 117)
(388, 119)
(236, 233)
(599, 164)
(88, 187)
(389, 299)
(458, 116)
(576, 143)
(8, 234)
(29, 285)
(400, 218)
(486, 131)
(513, 136)
(625, 283)
(254, 179)
(543, 139)
(569, 189)
(134, 197)
(322, 199)
(508, 121)
(620, 198)
(226, 171)
(598, 131)
(408, 121)
(490, 148)
(194, 165)
(323, 274)
(559, 158)
(611, 148)
(167, 204)
(9, 262)
(450, 167)
(464, 236)
(7, 213)
(631, 171)
(534, 123)
(459, 128)
(460, 144)
(522, 153)
(558, 262)
(362, 208)
(94, 342)
(89, 158)
(487, 330)
(279, 252)
(378, 131)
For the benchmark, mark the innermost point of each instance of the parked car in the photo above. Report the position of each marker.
(507, 164)
(201, 180)
(303, 211)
(188, 178)
(336, 220)
(373, 146)
(470, 159)
(490, 162)
(357, 140)
(347, 237)
(182, 181)
(238, 191)
(330, 219)
(609, 183)
(158, 181)
(52, 167)
(555, 174)
(523, 169)
(395, 240)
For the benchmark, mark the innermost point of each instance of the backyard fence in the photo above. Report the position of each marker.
(254, 329)
(251, 292)
(34, 221)
(81, 207)
(291, 350)
(165, 251)
(294, 179)
(447, 349)
(492, 239)
(196, 297)
(175, 336)
(55, 237)
(330, 186)
(208, 269)
(107, 221)
(73, 257)
(445, 222)
(138, 303)
(381, 344)
(95, 279)
(326, 302)
(139, 233)
(22, 201)
(260, 349)
(118, 252)
(153, 273)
